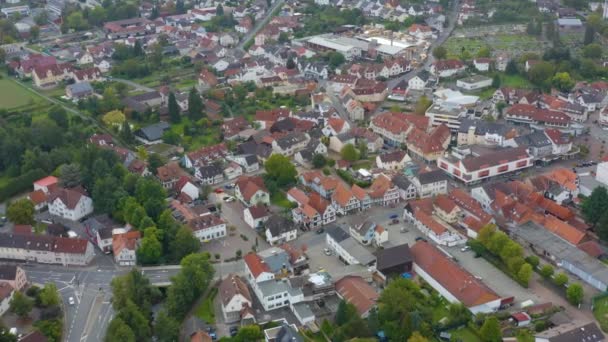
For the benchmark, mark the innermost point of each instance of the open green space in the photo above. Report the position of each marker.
(12, 95)
(514, 81)
(464, 334)
(205, 310)
(279, 198)
(600, 311)
(500, 42)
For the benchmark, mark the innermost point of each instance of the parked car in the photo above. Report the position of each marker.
(320, 231)
(465, 248)
(71, 301)
(228, 199)
(419, 238)
(218, 190)
(327, 251)
(234, 330)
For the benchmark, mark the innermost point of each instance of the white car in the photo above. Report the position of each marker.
(465, 248)
(228, 199)
(327, 251)
(71, 301)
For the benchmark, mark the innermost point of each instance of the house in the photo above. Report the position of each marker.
(124, 248)
(208, 227)
(185, 187)
(451, 281)
(205, 155)
(538, 144)
(431, 183)
(447, 68)
(99, 228)
(587, 333)
(44, 76)
(209, 174)
(152, 134)
(446, 209)
(70, 204)
(169, 174)
(486, 164)
(251, 191)
(392, 160)
(257, 270)
(6, 296)
(283, 332)
(407, 190)
(561, 142)
(535, 117)
(47, 184)
(429, 146)
(279, 230)
(234, 296)
(396, 260)
(355, 290)
(39, 199)
(481, 132)
(474, 82)
(343, 200)
(14, 276)
(256, 215)
(382, 191)
(521, 319)
(291, 143)
(335, 126)
(46, 249)
(428, 225)
(79, 90)
(200, 336)
(419, 82)
(367, 232)
(347, 248)
(207, 80)
(482, 64)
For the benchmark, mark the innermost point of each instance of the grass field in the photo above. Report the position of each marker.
(600, 311)
(205, 311)
(514, 81)
(464, 334)
(500, 42)
(12, 95)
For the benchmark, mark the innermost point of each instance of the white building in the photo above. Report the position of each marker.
(234, 296)
(429, 184)
(474, 82)
(46, 249)
(124, 247)
(70, 204)
(280, 230)
(208, 227)
(6, 295)
(601, 173)
(347, 248)
(255, 216)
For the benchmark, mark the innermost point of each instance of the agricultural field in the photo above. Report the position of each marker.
(12, 95)
(513, 44)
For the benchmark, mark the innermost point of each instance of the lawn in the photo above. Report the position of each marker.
(280, 199)
(514, 81)
(600, 311)
(500, 42)
(13, 95)
(205, 310)
(464, 334)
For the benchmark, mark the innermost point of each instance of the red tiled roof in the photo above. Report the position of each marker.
(37, 197)
(444, 203)
(357, 292)
(538, 114)
(249, 185)
(69, 197)
(430, 222)
(47, 181)
(71, 246)
(255, 264)
(127, 240)
(460, 283)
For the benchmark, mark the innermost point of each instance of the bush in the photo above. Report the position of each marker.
(33, 291)
(533, 261)
(347, 177)
(546, 271)
(560, 279)
(20, 184)
(540, 326)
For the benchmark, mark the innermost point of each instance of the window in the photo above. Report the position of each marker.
(522, 163)
(484, 173)
(503, 168)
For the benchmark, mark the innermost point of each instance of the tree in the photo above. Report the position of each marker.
(562, 81)
(166, 328)
(150, 250)
(575, 294)
(560, 279)
(440, 52)
(362, 148)
(422, 105)
(114, 118)
(195, 105)
(336, 59)
(41, 18)
(290, 63)
(76, 22)
(511, 68)
(125, 132)
(118, 330)
(173, 108)
(188, 284)
(593, 51)
(21, 305)
(540, 73)
(70, 175)
(524, 335)
(219, 11)
(279, 168)
(484, 52)
(490, 330)
(34, 32)
(59, 115)
(185, 243)
(346, 313)
(249, 333)
(524, 274)
(417, 337)
(318, 161)
(349, 153)
(284, 38)
(155, 161)
(49, 296)
(21, 212)
(136, 320)
(546, 271)
(50, 328)
(594, 206)
(496, 81)
(589, 35)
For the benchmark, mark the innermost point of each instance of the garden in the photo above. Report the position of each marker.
(513, 44)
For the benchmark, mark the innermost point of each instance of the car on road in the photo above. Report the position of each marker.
(465, 248)
(218, 190)
(327, 251)
(2, 220)
(420, 238)
(71, 301)
(234, 330)
(320, 231)
(228, 199)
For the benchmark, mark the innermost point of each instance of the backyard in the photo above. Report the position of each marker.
(12, 95)
(205, 310)
(600, 311)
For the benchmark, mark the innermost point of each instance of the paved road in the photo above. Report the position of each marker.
(259, 24)
(137, 86)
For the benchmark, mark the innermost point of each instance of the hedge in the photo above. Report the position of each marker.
(347, 177)
(20, 183)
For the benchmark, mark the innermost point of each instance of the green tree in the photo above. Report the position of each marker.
(589, 35)
(524, 335)
(136, 320)
(490, 330)
(118, 330)
(59, 115)
(318, 161)
(34, 32)
(76, 22)
(540, 73)
(195, 105)
(185, 243)
(189, 284)
(49, 296)
(595, 205)
(114, 118)
(21, 211)
(284, 39)
(362, 148)
(560, 279)
(484, 52)
(173, 108)
(546, 271)
(349, 153)
(21, 305)
(417, 337)
(575, 294)
(219, 11)
(562, 81)
(511, 68)
(125, 133)
(593, 51)
(70, 175)
(496, 81)
(485, 234)
(166, 329)
(279, 168)
(346, 313)
(50, 328)
(150, 250)
(440, 52)
(249, 333)
(336, 59)
(41, 18)
(524, 274)
(422, 105)
(290, 63)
